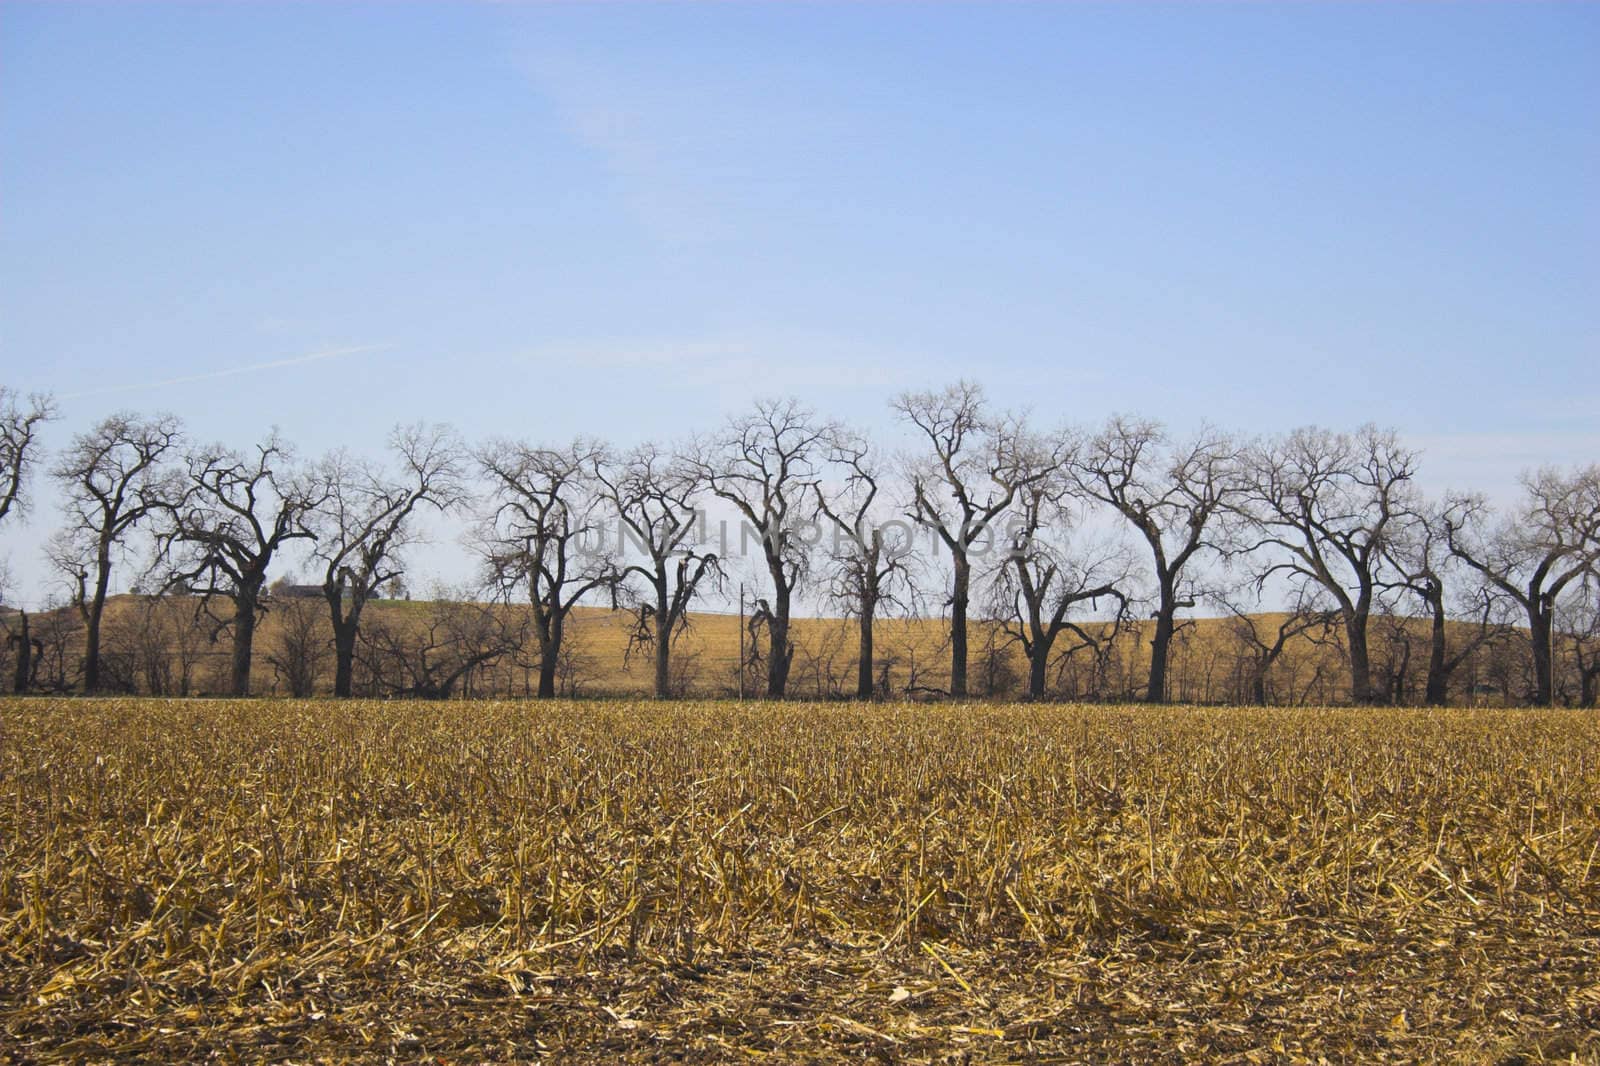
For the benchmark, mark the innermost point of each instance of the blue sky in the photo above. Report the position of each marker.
(628, 219)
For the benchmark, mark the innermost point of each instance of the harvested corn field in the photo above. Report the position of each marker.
(628, 881)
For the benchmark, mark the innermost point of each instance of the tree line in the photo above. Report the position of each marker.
(1056, 542)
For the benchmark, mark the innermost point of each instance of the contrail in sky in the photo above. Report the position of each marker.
(314, 357)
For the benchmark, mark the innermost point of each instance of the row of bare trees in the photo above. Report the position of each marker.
(1057, 540)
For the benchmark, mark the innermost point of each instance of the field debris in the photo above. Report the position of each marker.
(640, 882)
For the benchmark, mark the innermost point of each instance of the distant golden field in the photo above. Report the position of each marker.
(708, 882)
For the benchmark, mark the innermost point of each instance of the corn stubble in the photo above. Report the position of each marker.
(708, 882)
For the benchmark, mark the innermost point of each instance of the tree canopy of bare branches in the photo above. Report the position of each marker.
(1041, 581)
(368, 518)
(653, 496)
(1169, 492)
(764, 463)
(19, 444)
(114, 477)
(1377, 578)
(237, 511)
(1418, 556)
(545, 536)
(868, 559)
(968, 474)
(1533, 555)
(1321, 506)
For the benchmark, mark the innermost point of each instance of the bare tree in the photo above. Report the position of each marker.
(1264, 642)
(427, 654)
(25, 646)
(763, 463)
(1581, 628)
(913, 650)
(19, 447)
(1096, 675)
(1169, 492)
(368, 519)
(1548, 544)
(237, 511)
(869, 565)
(965, 481)
(299, 647)
(994, 666)
(1041, 581)
(576, 669)
(114, 477)
(1328, 502)
(19, 444)
(155, 637)
(1418, 556)
(653, 496)
(1392, 641)
(46, 644)
(122, 668)
(545, 536)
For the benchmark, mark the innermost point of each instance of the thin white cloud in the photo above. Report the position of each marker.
(313, 357)
(1533, 446)
(650, 138)
(1493, 462)
(762, 363)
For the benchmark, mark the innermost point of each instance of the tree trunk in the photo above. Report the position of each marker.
(1038, 661)
(1355, 628)
(959, 591)
(549, 654)
(1156, 690)
(91, 647)
(244, 638)
(1258, 685)
(1589, 679)
(865, 688)
(91, 621)
(1540, 623)
(346, 625)
(779, 653)
(1437, 694)
(1396, 693)
(344, 657)
(663, 623)
(23, 674)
